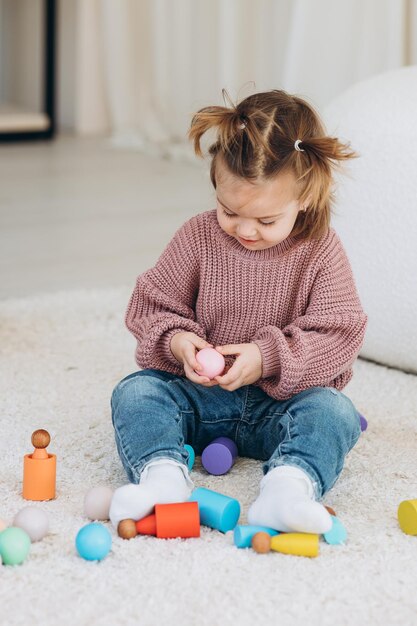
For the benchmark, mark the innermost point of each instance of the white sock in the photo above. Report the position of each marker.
(161, 482)
(286, 502)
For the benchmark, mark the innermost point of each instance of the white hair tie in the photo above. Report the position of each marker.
(296, 146)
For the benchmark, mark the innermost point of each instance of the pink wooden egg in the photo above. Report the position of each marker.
(212, 361)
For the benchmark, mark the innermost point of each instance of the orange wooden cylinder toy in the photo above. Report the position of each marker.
(39, 469)
(180, 519)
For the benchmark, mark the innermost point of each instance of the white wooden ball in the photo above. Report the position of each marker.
(97, 502)
(33, 521)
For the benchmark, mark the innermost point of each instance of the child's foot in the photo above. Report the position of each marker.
(162, 482)
(286, 503)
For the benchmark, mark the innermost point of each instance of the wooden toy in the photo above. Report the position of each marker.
(216, 510)
(39, 469)
(97, 502)
(298, 544)
(331, 511)
(261, 542)
(242, 535)
(33, 521)
(407, 516)
(14, 545)
(212, 361)
(337, 535)
(364, 423)
(93, 542)
(180, 519)
(218, 457)
(127, 529)
(191, 456)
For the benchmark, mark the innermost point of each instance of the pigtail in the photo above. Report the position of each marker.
(327, 149)
(237, 129)
(226, 120)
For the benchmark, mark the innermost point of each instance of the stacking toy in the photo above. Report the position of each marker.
(337, 534)
(242, 535)
(331, 511)
(127, 529)
(93, 542)
(364, 423)
(216, 510)
(212, 361)
(191, 456)
(39, 469)
(33, 521)
(97, 502)
(14, 546)
(407, 516)
(298, 544)
(261, 542)
(180, 519)
(218, 457)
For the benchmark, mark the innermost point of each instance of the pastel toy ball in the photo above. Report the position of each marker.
(14, 545)
(212, 361)
(97, 502)
(93, 542)
(33, 521)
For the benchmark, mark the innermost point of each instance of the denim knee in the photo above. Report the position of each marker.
(121, 389)
(346, 417)
(127, 390)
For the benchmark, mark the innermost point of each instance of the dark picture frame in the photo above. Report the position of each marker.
(49, 68)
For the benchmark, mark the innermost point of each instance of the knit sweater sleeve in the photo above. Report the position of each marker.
(163, 301)
(319, 347)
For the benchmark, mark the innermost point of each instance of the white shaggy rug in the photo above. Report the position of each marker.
(61, 356)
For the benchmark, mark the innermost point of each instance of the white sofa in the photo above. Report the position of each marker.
(376, 208)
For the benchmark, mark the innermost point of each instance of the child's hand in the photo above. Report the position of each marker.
(246, 369)
(183, 346)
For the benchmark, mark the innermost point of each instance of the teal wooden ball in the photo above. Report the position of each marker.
(93, 542)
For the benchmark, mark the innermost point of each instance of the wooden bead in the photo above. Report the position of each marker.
(261, 543)
(127, 529)
(40, 438)
(331, 511)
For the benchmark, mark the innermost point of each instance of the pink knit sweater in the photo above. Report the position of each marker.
(297, 301)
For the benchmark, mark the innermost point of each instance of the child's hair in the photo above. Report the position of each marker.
(256, 141)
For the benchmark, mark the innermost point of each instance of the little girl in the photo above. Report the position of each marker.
(265, 280)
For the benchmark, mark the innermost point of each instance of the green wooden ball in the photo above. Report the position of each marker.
(14, 545)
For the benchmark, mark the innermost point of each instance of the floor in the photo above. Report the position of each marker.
(78, 213)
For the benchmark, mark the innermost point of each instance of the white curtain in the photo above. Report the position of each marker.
(143, 67)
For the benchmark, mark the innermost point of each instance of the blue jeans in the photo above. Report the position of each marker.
(155, 413)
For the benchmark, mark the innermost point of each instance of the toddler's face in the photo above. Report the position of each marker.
(259, 215)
